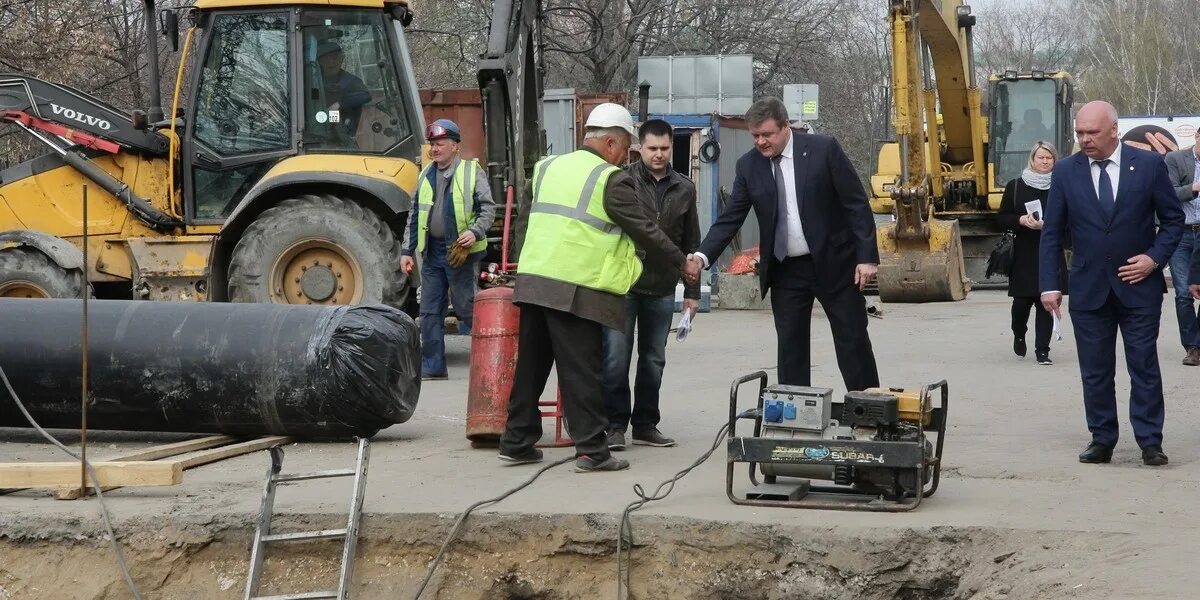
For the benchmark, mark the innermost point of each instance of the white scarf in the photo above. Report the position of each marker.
(1035, 180)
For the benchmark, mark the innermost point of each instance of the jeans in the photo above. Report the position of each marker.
(1185, 309)
(438, 277)
(651, 315)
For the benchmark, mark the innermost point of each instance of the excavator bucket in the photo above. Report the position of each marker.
(922, 270)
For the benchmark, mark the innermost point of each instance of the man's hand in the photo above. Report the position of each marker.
(691, 269)
(1029, 222)
(1052, 302)
(406, 263)
(1195, 290)
(863, 274)
(692, 305)
(1139, 268)
(1196, 186)
(1155, 142)
(466, 239)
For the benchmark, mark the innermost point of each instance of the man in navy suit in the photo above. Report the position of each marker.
(1107, 195)
(818, 240)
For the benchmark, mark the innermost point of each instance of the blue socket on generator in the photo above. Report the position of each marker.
(797, 407)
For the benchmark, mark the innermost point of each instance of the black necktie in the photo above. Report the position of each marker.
(1108, 200)
(781, 213)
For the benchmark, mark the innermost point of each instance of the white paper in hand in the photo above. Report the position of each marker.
(1056, 332)
(685, 326)
(1034, 208)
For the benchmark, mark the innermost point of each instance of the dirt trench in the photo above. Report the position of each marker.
(538, 557)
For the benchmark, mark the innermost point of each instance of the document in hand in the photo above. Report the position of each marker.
(1057, 331)
(685, 326)
(1034, 208)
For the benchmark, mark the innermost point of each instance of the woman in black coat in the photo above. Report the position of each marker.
(1033, 184)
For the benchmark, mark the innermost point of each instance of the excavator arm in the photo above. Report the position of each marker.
(511, 74)
(940, 167)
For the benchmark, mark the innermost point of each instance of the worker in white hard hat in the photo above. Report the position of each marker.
(576, 251)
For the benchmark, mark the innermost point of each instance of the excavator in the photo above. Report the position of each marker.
(942, 178)
(283, 170)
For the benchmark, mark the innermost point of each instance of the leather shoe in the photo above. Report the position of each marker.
(1193, 357)
(1096, 454)
(1152, 456)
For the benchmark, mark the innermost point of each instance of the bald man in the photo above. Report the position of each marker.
(1108, 195)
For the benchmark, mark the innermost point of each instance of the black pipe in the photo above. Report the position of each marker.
(201, 367)
(140, 207)
(155, 112)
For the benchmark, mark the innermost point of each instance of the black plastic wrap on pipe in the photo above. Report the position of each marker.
(303, 371)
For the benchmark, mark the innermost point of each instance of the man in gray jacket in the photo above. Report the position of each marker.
(670, 199)
(1183, 167)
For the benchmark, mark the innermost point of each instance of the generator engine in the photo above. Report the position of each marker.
(832, 430)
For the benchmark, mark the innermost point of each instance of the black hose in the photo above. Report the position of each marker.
(710, 151)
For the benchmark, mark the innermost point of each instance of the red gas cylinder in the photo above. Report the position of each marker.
(493, 363)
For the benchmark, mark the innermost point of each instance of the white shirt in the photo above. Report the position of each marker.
(797, 244)
(1113, 169)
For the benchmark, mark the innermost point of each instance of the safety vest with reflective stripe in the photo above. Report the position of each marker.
(462, 193)
(570, 237)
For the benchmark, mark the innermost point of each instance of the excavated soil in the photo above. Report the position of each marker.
(558, 558)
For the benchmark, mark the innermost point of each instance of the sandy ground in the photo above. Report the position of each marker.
(1119, 530)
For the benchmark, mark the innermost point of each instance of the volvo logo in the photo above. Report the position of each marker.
(79, 117)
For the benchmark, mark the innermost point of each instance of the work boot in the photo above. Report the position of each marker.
(525, 457)
(587, 464)
(1019, 345)
(1193, 357)
(1043, 358)
(651, 437)
(616, 440)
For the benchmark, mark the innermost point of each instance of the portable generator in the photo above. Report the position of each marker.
(878, 449)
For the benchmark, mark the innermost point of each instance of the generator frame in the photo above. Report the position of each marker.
(757, 450)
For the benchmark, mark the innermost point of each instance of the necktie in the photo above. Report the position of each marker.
(1108, 200)
(781, 211)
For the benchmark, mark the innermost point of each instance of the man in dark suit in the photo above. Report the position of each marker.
(817, 240)
(1108, 195)
(1183, 166)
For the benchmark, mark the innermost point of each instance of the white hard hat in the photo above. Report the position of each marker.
(611, 115)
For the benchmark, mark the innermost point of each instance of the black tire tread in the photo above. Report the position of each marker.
(33, 260)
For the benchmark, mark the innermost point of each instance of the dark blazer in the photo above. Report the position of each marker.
(1101, 243)
(1181, 166)
(1023, 279)
(834, 212)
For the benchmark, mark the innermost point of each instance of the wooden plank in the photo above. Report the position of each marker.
(195, 459)
(153, 453)
(66, 474)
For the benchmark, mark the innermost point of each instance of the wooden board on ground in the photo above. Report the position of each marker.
(154, 453)
(189, 454)
(64, 474)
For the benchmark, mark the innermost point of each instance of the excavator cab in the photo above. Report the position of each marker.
(1025, 109)
(282, 171)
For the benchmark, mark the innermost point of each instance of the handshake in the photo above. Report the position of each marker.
(691, 268)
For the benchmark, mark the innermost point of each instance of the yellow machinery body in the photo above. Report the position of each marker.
(938, 179)
(367, 181)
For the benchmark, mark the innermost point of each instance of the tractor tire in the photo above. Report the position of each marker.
(27, 273)
(318, 249)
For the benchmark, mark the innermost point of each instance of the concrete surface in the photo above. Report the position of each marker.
(1015, 429)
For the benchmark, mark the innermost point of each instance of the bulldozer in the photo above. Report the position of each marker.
(942, 178)
(283, 170)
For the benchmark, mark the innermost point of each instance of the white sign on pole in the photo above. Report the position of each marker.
(802, 101)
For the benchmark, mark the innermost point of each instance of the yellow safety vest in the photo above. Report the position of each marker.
(570, 237)
(462, 193)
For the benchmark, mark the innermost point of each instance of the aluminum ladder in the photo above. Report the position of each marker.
(264, 536)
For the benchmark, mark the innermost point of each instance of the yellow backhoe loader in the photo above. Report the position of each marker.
(282, 172)
(942, 177)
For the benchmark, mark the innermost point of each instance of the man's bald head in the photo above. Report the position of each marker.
(1096, 129)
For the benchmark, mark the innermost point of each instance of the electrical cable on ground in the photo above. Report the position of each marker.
(455, 530)
(625, 533)
(112, 536)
